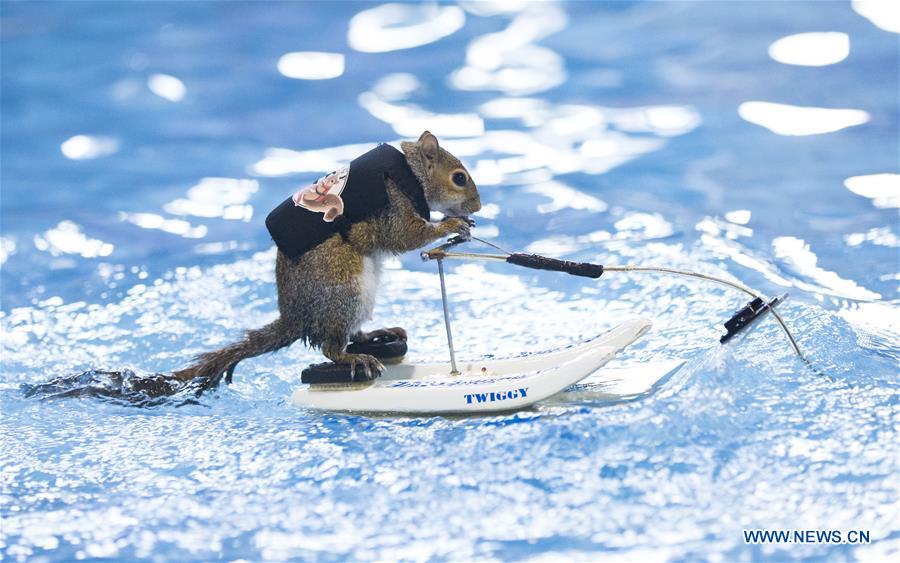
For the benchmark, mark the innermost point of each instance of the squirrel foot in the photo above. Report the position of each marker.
(363, 367)
(362, 337)
(371, 367)
(337, 353)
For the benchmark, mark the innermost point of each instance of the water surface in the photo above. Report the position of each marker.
(143, 145)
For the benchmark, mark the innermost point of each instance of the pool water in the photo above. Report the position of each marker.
(144, 144)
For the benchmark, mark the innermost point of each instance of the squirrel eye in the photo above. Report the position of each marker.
(459, 178)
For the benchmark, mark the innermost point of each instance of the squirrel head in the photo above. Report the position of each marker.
(448, 186)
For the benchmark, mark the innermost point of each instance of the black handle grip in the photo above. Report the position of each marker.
(536, 262)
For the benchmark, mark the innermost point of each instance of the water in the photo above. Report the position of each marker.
(143, 145)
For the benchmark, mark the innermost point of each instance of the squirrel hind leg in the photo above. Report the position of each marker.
(362, 366)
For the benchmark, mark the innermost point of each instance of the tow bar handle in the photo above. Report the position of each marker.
(536, 262)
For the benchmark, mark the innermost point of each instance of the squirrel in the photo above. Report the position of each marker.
(328, 291)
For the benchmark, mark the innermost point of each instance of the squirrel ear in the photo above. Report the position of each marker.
(429, 145)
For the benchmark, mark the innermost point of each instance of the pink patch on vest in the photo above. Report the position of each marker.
(324, 196)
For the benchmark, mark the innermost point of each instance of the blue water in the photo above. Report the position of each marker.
(143, 144)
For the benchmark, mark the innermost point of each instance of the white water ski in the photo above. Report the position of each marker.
(489, 385)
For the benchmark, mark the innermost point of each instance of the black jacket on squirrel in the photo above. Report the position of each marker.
(297, 227)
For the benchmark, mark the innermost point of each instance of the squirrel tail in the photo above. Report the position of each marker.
(211, 367)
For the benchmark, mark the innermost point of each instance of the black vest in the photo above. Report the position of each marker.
(296, 230)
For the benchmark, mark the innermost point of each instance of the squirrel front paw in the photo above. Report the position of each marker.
(456, 225)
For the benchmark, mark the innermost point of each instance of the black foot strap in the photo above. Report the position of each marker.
(332, 373)
(383, 347)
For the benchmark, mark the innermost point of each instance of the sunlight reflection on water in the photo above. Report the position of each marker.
(885, 15)
(409, 120)
(882, 189)
(309, 65)
(510, 61)
(217, 197)
(167, 86)
(67, 238)
(811, 49)
(796, 252)
(391, 27)
(174, 226)
(786, 119)
(86, 147)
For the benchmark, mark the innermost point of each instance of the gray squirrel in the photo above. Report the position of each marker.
(328, 291)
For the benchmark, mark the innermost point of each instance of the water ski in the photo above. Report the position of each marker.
(488, 385)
